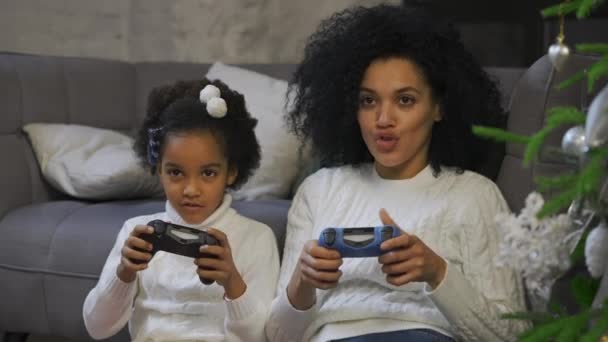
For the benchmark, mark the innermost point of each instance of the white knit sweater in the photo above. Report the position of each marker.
(453, 214)
(168, 302)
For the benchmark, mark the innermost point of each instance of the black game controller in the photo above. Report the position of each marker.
(180, 240)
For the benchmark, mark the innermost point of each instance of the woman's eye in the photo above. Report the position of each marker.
(406, 100)
(209, 173)
(366, 101)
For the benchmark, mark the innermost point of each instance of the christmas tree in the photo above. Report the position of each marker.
(582, 232)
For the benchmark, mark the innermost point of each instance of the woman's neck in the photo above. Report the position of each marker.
(408, 169)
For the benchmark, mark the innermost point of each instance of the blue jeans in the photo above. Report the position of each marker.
(417, 335)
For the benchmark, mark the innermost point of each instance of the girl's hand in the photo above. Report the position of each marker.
(134, 254)
(317, 268)
(409, 259)
(218, 265)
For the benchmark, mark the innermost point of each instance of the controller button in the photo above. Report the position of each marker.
(387, 233)
(329, 236)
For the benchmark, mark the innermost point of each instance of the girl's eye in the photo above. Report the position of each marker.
(406, 100)
(174, 172)
(366, 101)
(209, 173)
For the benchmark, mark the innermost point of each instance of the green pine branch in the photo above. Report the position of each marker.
(585, 8)
(599, 48)
(582, 8)
(587, 183)
(578, 76)
(559, 182)
(558, 116)
(564, 8)
(597, 70)
(599, 328)
(500, 135)
(584, 289)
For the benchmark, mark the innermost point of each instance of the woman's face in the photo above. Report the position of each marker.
(396, 115)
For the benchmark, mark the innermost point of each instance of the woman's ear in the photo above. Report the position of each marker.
(233, 172)
(437, 113)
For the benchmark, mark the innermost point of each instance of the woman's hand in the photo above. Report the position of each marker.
(135, 254)
(409, 259)
(217, 264)
(317, 268)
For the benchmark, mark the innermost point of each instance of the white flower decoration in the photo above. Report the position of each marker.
(596, 250)
(217, 108)
(538, 248)
(210, 91)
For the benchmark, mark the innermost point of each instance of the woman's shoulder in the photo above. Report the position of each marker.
(469, 188)
(337, 175)
(468, 181)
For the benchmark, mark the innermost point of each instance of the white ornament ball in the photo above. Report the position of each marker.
(217, 108)
(596, 250)
(210, 91)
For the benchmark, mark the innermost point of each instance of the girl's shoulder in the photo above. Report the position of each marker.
(253, 228)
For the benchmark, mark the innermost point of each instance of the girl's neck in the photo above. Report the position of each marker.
(174, 217)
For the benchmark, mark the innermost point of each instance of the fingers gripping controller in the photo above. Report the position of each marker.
(357, 242)
(180, 240)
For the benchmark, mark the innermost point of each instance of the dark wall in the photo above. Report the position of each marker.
(513, 32)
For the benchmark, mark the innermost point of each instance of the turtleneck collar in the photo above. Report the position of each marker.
(422, 179)
(174, 217)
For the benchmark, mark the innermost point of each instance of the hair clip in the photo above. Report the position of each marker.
(153, 154)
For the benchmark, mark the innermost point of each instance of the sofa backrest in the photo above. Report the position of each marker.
(93, 92)
(98, 93)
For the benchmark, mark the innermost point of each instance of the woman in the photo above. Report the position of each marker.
(387, 96)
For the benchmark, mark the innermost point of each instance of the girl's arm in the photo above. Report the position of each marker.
(108, 305)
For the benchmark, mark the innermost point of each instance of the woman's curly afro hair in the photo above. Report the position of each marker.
(325, 87)
(176, 108)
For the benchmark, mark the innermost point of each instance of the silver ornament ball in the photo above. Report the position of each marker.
(574, 141)
(596, 124)
(558, 54)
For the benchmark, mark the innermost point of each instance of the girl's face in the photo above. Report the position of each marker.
(194, 173)
(396, 115)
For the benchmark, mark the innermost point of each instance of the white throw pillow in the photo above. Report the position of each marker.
(265, 100)
(90, 163)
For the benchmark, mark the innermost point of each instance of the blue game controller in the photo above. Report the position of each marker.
(360, 242)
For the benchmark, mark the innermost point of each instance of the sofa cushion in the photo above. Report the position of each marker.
(54, 251)
(91, 163)
(265, 100)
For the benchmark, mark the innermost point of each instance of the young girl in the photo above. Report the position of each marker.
(199, 138)
(387, 95)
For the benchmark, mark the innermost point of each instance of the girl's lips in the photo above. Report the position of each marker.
(192, 206)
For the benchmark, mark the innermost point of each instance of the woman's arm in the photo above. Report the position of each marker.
(247, 314)
(474, 298)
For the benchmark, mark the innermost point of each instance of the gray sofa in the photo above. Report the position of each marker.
(52, 247)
